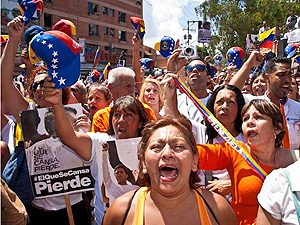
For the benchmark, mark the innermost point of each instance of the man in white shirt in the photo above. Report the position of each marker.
(264, 27)
(279, 80)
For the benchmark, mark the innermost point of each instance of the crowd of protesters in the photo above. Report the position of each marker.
(188, 174)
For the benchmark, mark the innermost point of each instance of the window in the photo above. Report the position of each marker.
(105, 30)
(47, 1)
(48, 20)
(122, 17)
(122, 35)
(112, 32)
(93, 30)
(105, 10)
(112, 12)
(92, 8)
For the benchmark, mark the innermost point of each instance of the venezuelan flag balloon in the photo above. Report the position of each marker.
(139, 25)
(235, 55)
(29, 7)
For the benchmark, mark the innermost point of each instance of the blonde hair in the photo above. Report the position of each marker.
(142, 91)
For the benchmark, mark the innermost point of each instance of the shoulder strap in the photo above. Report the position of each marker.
(128, 208)
(297, 207)
(209, 208)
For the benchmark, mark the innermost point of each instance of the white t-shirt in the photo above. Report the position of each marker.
(276, 197)
(188, 108)
(94, 165)
(292, 115)
(65, 158)
(7, 135)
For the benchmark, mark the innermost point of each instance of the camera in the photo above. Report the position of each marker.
(188, 51)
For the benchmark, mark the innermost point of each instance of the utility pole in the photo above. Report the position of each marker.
(188, 29)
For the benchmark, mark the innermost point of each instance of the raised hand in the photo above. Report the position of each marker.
(53, 96)
(16, 28)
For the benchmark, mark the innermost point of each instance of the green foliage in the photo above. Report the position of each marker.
(234, 19)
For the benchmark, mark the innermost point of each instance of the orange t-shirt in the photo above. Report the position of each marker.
(101, 118)
(246, 184)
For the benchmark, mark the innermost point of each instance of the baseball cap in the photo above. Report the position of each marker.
(28, 9)
(235, 55)
(165, 46)
(60, 52)
(290, 50)
(65, 26)
(147, 63)
(31, 32)
(139, 25)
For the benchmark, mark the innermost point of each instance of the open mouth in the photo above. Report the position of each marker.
(251, 134)
(168, 173)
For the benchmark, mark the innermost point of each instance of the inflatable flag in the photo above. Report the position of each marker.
(147, 63)
(4, 39)
(139, 25)
(165, 46)
(29, 7)
(235, 55)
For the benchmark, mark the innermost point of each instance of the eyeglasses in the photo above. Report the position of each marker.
(199, 67)
(34, 86)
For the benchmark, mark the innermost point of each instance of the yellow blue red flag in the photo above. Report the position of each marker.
(266, 38)
(106, 71)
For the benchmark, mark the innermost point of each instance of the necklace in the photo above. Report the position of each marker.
(257, 159)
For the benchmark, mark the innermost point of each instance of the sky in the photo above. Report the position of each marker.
(169, 17)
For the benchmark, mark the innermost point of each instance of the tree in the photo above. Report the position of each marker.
(234, 19)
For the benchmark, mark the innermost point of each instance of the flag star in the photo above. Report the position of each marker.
(61, 81)
(44, 42)
(54, 66)
(50, 45)
(37, 40)
(54, 60)
(54, 74)
(55, 53)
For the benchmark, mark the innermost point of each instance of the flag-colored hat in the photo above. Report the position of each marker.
(65, 26)
(139, 25)
(31, 32)
(147, 63)
(4, 39)
(213, 70)
(290, 50)
(95, 75)
(235, 55)
(60, 52)
(29, 7)
(165, 46)
(217, 58)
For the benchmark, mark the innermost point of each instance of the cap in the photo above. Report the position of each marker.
(235, 55)
(165, 46)
(290, 50)
(28, 9)
(31, 32)
(60, 52)
(147, 63)
(139, 25)
(65, 26)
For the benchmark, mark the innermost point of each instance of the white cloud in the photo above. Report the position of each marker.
(168, 18)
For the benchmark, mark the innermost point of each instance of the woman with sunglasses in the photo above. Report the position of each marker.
(196, 73)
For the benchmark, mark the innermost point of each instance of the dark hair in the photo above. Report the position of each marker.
(254, 76)
(128, 103)
(271, 65)
(211, 132)
(49, 119)
(269, 109)
(185, 127)
(66, 92)
(208, 71)
(121, 166)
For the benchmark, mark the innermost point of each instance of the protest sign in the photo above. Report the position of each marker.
(252, 42)
(54, 168)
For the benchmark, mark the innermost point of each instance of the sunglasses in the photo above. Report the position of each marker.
(35, 85)
(199, 67)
